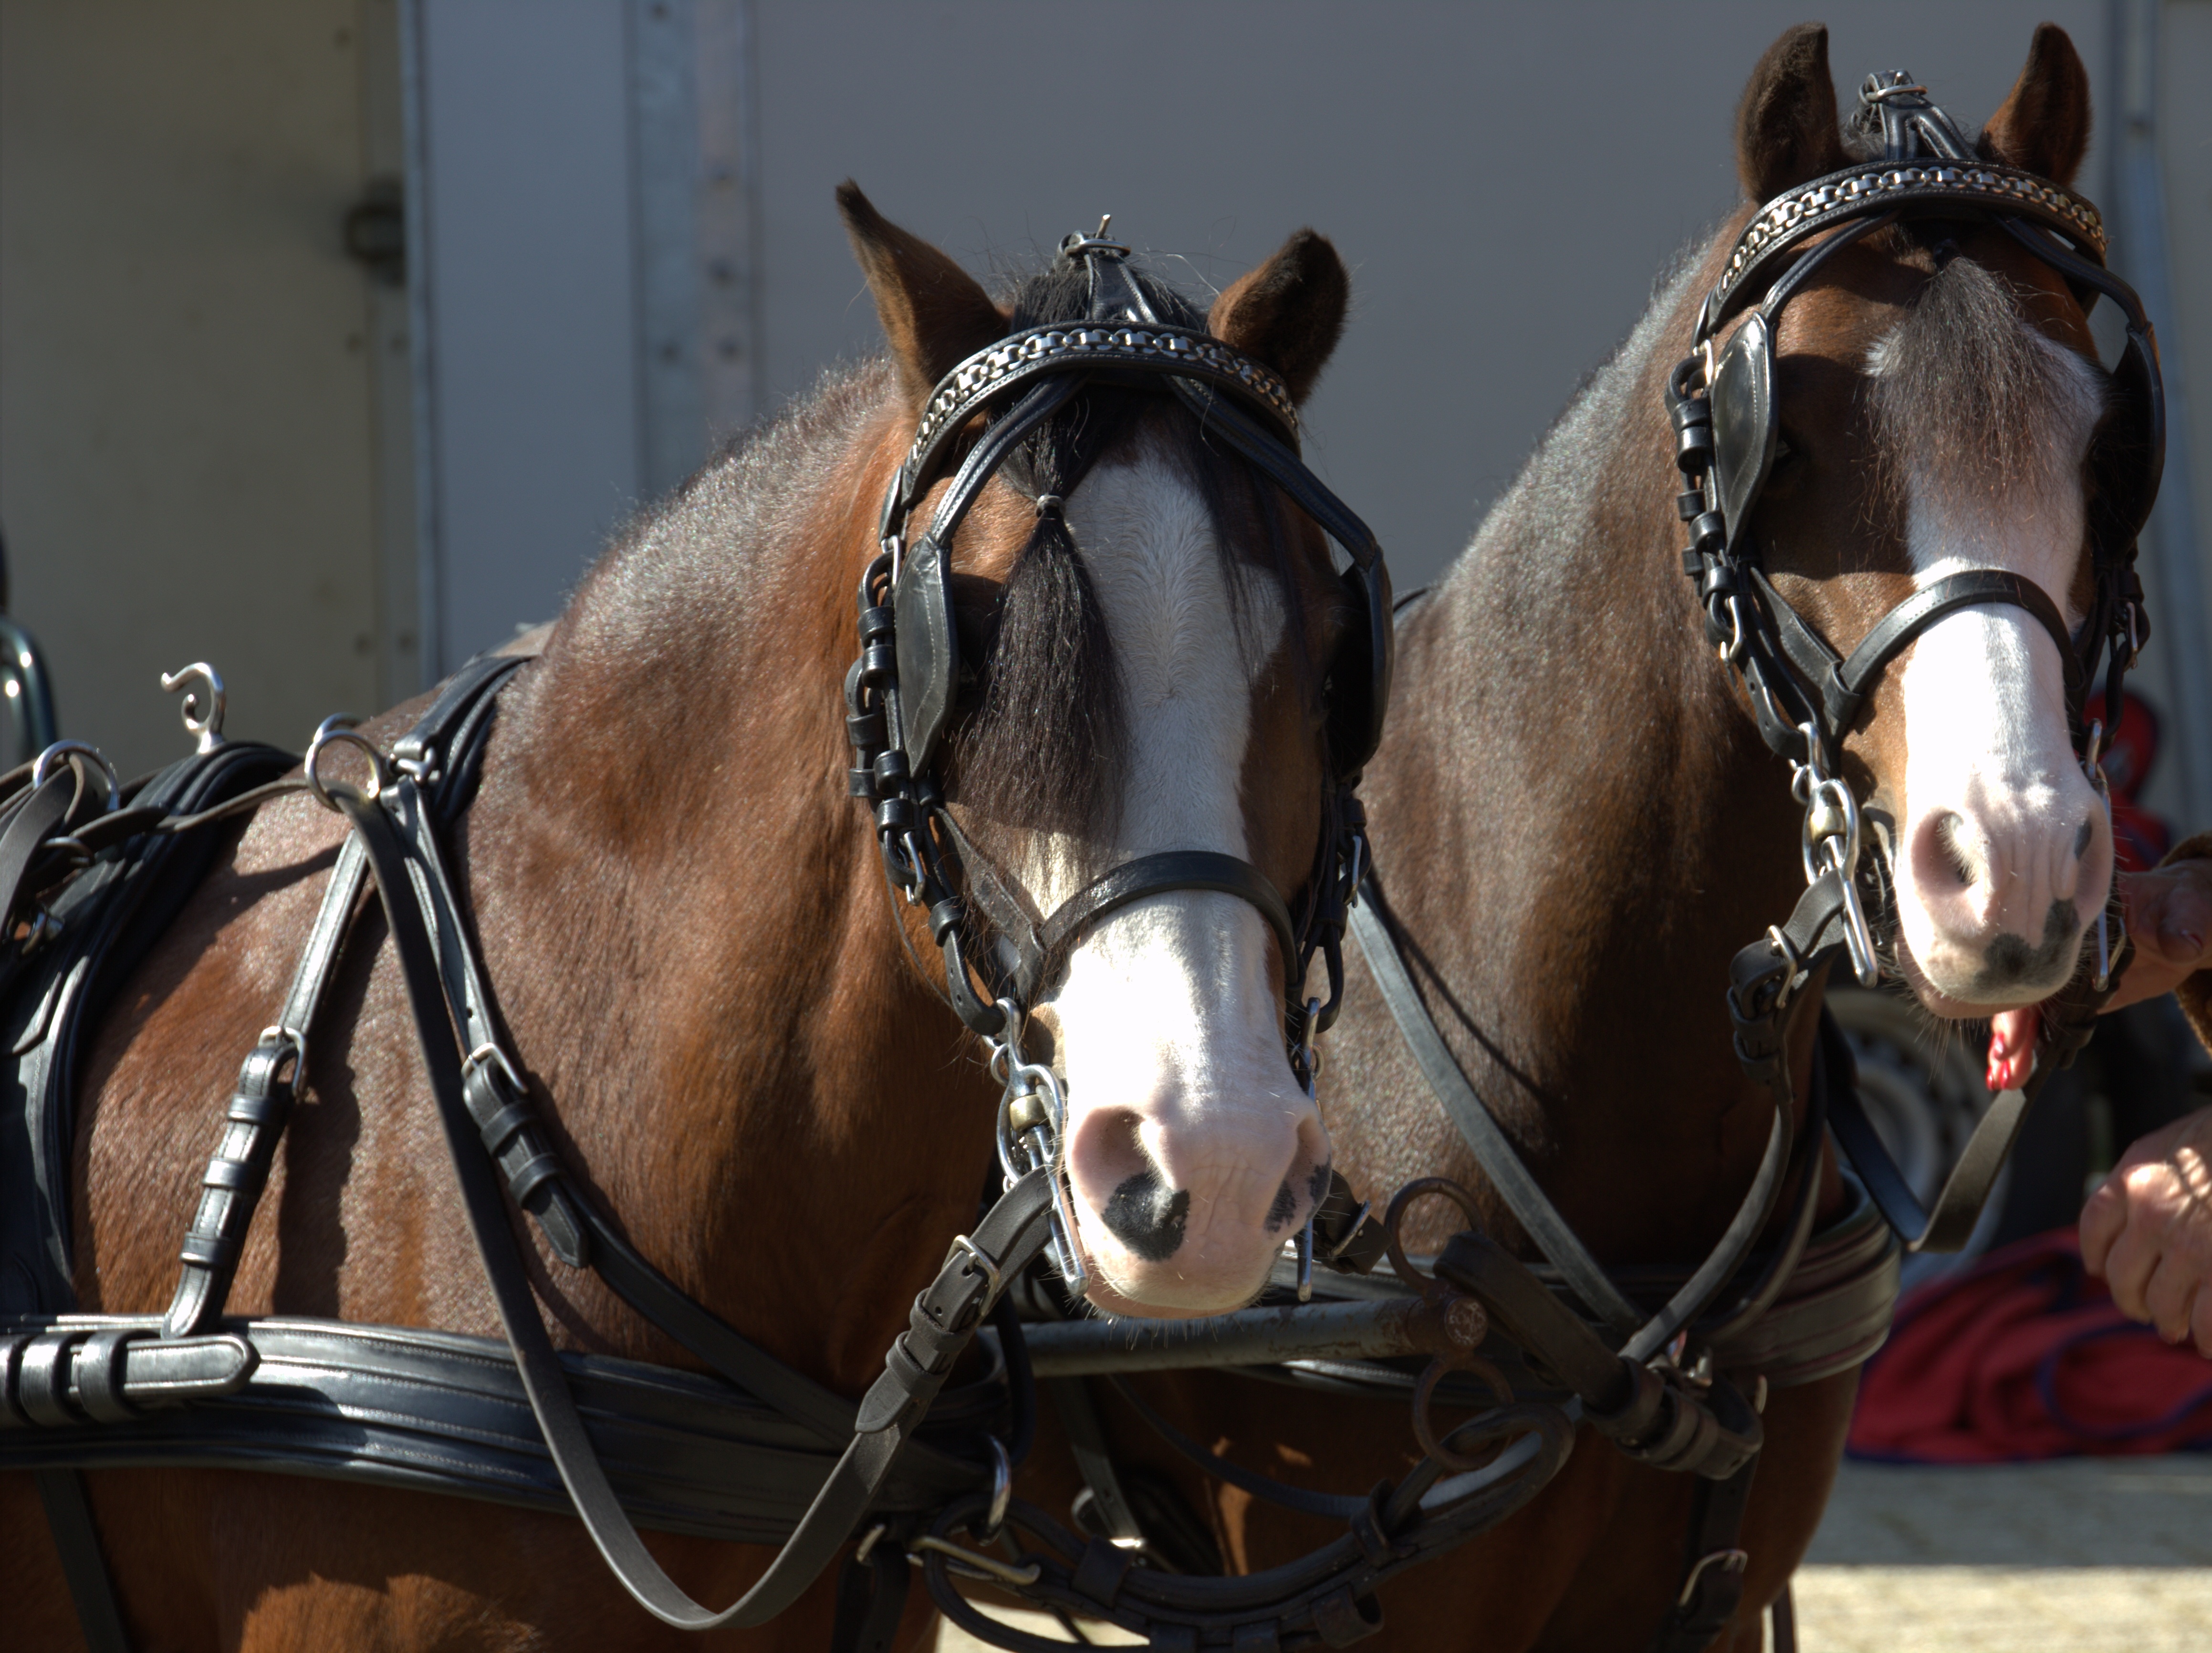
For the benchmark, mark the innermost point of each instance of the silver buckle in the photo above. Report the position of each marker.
(976, 1255)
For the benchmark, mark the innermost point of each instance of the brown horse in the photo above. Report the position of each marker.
(1577, 825)
(717, 1000)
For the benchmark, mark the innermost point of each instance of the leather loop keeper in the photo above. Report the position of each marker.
(503, 1126)
(1098, 1576)
(207, 1250)
(1367, 1527)
(246, 1109)
(97, 1375)
(531, 1175)
(222, 1173)
(42, 1381)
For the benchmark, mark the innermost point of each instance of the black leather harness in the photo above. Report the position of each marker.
(754, 1455)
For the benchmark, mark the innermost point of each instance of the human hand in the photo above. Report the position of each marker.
(2169, 914)
(2148, 1230)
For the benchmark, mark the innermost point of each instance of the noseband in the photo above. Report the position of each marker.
(899, 693)
(1805, 695)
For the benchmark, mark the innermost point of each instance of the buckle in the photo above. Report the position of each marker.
(976, 1255)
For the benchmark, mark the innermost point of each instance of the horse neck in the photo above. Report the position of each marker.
(1603, 809)
(691, 937)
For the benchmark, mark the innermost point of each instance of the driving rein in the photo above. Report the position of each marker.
(759, 1454)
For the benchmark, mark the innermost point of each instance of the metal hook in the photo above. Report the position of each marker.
(204, 721)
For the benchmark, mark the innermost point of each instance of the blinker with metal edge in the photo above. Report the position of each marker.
(1805, 697)
(899, 695)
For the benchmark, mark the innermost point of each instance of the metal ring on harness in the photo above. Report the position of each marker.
(335, 730)
(42, 769)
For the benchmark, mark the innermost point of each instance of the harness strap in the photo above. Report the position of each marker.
(1713, 1569)
(1045, 948)
(84, 1564)
(944, 1319)
(239, 1171)
(1494, 1151)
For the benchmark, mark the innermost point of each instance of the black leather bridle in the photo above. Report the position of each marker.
(1804, 694)
(901, 693)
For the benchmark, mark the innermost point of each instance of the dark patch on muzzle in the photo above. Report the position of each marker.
(1148, 1217)
(1284, 1210)
(2009, 961)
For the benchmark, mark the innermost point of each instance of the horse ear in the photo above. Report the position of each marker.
(2044, 126)
(935, 313)
(1785, 128)
(1289, 313)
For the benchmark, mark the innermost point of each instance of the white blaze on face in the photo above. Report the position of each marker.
(1191, 1150)
(2005, 851)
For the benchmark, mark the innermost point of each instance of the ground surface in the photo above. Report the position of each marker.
(2080, 1556)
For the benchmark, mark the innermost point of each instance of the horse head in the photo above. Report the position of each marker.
(1939, 408)
(1145, 628)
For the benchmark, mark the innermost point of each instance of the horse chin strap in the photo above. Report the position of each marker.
(900, 698)
(1805, 697)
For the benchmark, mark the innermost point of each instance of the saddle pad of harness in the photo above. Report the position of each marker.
(52, 1000)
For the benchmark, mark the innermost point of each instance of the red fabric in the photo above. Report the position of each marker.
(2140, 839)
(2024, 1356)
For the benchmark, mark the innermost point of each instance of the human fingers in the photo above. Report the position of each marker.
(2171, 1296)
(2169, 913)
(2135, 1254)
(2103, 1219)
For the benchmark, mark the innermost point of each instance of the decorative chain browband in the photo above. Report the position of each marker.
(1785, 222)
(1195, 355)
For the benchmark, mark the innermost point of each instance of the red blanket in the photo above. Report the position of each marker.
(2024, 1356)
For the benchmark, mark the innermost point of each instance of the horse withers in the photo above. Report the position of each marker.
(1580, 814)
(717, 1001)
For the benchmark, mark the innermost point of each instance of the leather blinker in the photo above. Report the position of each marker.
(1744, 419)
(928, 648)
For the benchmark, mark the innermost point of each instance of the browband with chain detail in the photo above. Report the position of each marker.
(1037, 350)
(1783, 223)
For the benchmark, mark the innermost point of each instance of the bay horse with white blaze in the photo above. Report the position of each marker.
(716, 1002)
(1579, 819)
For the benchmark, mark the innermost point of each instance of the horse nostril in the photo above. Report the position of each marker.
(1951, 837)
